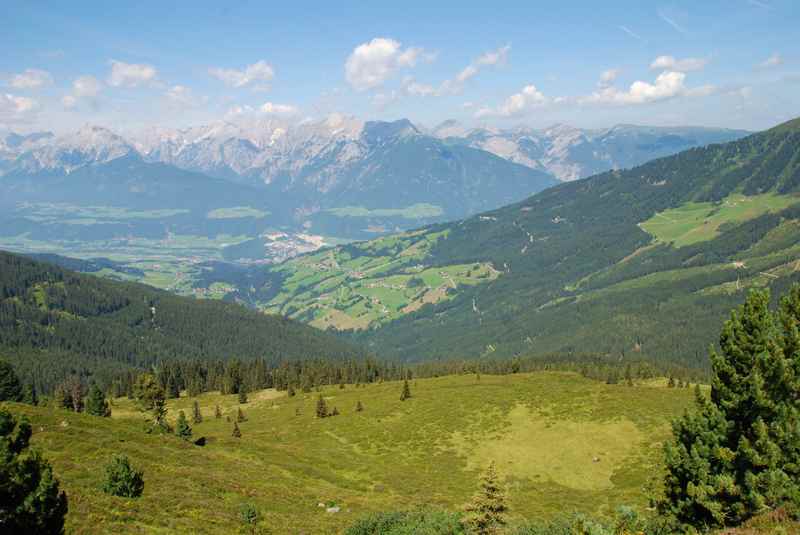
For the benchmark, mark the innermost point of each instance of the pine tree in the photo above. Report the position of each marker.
(240, 417)
(406, 393)
(487, 511)
(197, 416)
(217, 412)
(322, 407)
(29, 395)
(738, 453)
(335, 412)
(359, 406)
(242, 396)
(182, 428)
(122, 479)
(10, 387)
(31, 499)
(96, 403)
(151, 397)
(236, 432)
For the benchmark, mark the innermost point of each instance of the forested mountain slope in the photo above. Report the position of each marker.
(646, 261)
(54, 321)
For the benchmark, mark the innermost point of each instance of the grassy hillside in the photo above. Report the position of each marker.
(54, 322)
(646, 261)
(561, 442)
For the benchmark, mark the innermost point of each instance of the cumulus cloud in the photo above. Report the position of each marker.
(491, 58)
(270, 108)
(31, 79)
(14, 108)
(517, 104)
(370, 64)
(86, 86)
(608, 77)
(773, 61)
(130, 74)
(183, 97)
(668, 84)
(260, 71)
(669, 63)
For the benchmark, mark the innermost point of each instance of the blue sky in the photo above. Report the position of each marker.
(733, 63)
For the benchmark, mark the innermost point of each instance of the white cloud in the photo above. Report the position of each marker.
(86, 86)
(15, 108)
(69, 102)
(669, 63)
(668, 84)
(491, 58)
(773, 61)
(271, 108)
(370, 64)
(130, 74)
(608, 77)
(518, 104)
(31, 79)
(260, 71)
(183, 96)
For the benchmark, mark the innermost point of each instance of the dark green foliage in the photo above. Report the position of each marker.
(242, 396)
(406, 393)
(151, 397)
(738, 453)
(96, 403)
(29, 394)
(182, 428)
(250, 516)
(359, 406)
(122, 479)
(53, 321)
(197, 416)
(30, 500)
(422, 522)
(486, 513)
(322, 407)
(236, 432)
(10, 387)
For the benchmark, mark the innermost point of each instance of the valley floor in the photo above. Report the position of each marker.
(561, 443)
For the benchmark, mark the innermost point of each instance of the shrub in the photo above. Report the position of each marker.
(421, 522)
(122, 480)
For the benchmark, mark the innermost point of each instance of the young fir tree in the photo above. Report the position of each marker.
(486, 513)
(406, 393)
(197, 416)
(335, 412)
(738, 453)
(96, 403)
(242, 395)
(29, 395)
(322, 407)
(236, 432)
(10, 387)
(182, 428)
(359, 406)
(240, 417)
(217, 412)
(31, 499)
(122, 479)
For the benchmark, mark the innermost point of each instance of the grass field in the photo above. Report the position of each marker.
(415, 211)
(695, 222)
(236, 212)
(561, 442)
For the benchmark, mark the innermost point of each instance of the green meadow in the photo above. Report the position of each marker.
(561, 443)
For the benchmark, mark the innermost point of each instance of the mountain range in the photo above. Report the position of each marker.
(645, 261)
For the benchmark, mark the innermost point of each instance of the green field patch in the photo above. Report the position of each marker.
(701, 221)
(59, 211)
(236, 212)
(415, 211)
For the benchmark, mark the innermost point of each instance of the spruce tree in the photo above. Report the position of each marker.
(335, 412)
(406, 393)
(236, 432)
(322, 407)
(197, 416)
(182, 428)
(96, 403)
(30, 499)
(738, 452)
(10, 387)
(242, 396)
(29, 395)
(486, 513)
(122, 479)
